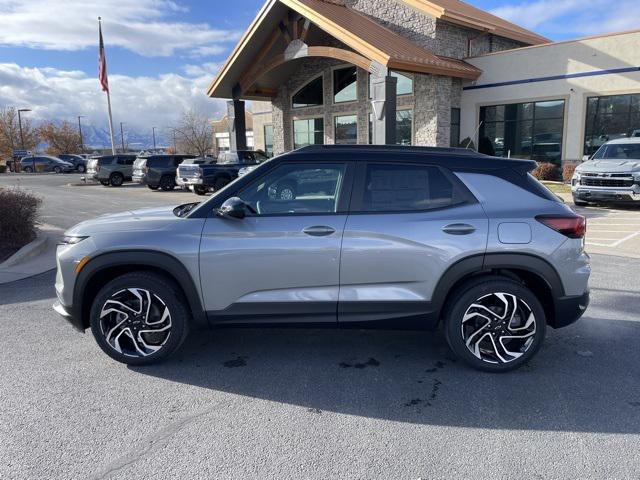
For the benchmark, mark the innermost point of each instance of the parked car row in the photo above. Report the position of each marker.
(65, 163)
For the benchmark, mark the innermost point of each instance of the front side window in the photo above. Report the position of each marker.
(346, 130)
(309, 131)
(345, 85)
(311, 95)
(406, 188)
(296, 189)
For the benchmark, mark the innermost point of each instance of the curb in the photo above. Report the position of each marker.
(28, 251)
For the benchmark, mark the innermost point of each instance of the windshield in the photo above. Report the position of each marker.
(618, 151)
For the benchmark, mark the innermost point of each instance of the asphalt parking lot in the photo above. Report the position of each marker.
(315, 404)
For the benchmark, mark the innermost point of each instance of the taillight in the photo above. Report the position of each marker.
(572, 226)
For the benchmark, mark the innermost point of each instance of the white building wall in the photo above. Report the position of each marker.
(596, 54)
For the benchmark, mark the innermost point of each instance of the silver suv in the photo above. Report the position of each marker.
(612, 174)
(365, 237)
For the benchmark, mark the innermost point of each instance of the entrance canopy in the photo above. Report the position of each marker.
(286, 31)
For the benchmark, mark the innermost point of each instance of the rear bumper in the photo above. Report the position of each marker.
(67, 314)
(140, 179)
(569, 309)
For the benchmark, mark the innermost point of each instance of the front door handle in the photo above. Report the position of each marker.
(459, 229)
(319, 231)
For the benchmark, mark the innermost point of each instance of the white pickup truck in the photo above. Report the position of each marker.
(612, 174)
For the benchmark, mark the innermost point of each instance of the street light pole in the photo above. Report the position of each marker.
(154, 137)
(20, 110)
(122, 136)
(80, 133)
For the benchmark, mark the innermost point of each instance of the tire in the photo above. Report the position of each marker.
(81, 169)
(579, 203)
(286, 191)
(116, 179)
(57, 170)
(220, 183)
(153, 187)
(27, 169)
(107, 315)
(167, 183)
(199, 190)
(482, 328)
(105, 183)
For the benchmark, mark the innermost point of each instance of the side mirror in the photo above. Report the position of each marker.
(586, 158)
(233, 207)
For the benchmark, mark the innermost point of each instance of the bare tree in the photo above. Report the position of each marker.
(62, 138)
(10, 133)
(194, 133)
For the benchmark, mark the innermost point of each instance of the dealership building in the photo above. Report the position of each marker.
(432, 73)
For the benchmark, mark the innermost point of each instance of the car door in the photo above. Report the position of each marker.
(280, 263)
(125, 165)
(408, 224)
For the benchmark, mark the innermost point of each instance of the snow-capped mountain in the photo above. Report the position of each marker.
(135, 139)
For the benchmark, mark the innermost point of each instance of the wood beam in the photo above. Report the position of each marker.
(264, 50)
(305, 30)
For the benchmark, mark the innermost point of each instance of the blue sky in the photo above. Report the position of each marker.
(162, 53)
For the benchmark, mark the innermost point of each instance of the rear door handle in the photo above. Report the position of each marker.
(459, 229)
(319, 231)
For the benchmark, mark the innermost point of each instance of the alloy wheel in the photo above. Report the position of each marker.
(498, 328)
(135, 322)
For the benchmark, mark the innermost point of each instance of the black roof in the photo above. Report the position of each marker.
(454, 158)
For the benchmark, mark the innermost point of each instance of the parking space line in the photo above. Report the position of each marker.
(628, 237)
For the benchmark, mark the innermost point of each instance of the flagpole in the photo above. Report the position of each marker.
(113, 145)
(105, 86)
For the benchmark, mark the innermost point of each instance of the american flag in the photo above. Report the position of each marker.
(102, 64)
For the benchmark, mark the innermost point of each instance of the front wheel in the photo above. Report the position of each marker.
(81, 169)
(153, 187)
(104, 183)
(139, 318)
(27, 170)
(200, 190)
(495, 324)
(220, 183)
(167, 183)
(57, 170)
(580, 203)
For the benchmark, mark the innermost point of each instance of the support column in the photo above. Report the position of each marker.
(384, 97)
(236, 125)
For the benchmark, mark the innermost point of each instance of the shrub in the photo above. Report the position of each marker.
(18, 215)
(3, 168)
(567, 171)
(546, 171)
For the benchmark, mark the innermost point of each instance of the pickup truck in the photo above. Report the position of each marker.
(612, 174)
(214, 176)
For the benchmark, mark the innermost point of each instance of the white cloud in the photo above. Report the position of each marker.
(209, 68)
(142, 26)
(140, 102)
(573, 17)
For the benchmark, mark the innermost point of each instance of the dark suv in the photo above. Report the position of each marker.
(79, 163)
(400, 237)
(158, 171)
(111, 170)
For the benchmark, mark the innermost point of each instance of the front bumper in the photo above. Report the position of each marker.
(603, 194)
(68, 315)
(189, 181)
(568, 310)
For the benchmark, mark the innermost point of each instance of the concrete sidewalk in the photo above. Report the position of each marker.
(34, 258)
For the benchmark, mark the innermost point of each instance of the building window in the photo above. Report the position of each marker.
(268, 140)
(405, 84)
(611, 117)
(223, 142)
(454, 139)
(523, 130)
(404, 127)
(345, 85)
(346, 130)
(309, 131)
(311, 95)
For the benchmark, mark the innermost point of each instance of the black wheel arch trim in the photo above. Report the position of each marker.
(131, 258)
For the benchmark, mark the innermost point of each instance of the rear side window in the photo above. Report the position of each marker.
(406, 188)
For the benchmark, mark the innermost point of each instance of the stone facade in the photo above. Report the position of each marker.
(433, 96)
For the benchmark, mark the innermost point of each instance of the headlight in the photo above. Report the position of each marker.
(576, 178)
(71, 240)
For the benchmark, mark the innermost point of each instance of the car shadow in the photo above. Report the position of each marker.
(32, 289)
(586, 377)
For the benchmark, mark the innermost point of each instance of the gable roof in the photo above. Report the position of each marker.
(460, 13)
(358, 32)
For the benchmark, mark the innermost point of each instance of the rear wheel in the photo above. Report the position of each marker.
(153, 187)
(27, 169)
(167, 183)
(495, 324)
(105, 183)
(220, 183)
(57, 170)
(139, 318)
(116, 179)
(81, 169)
(200, 190)
(579, 203)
